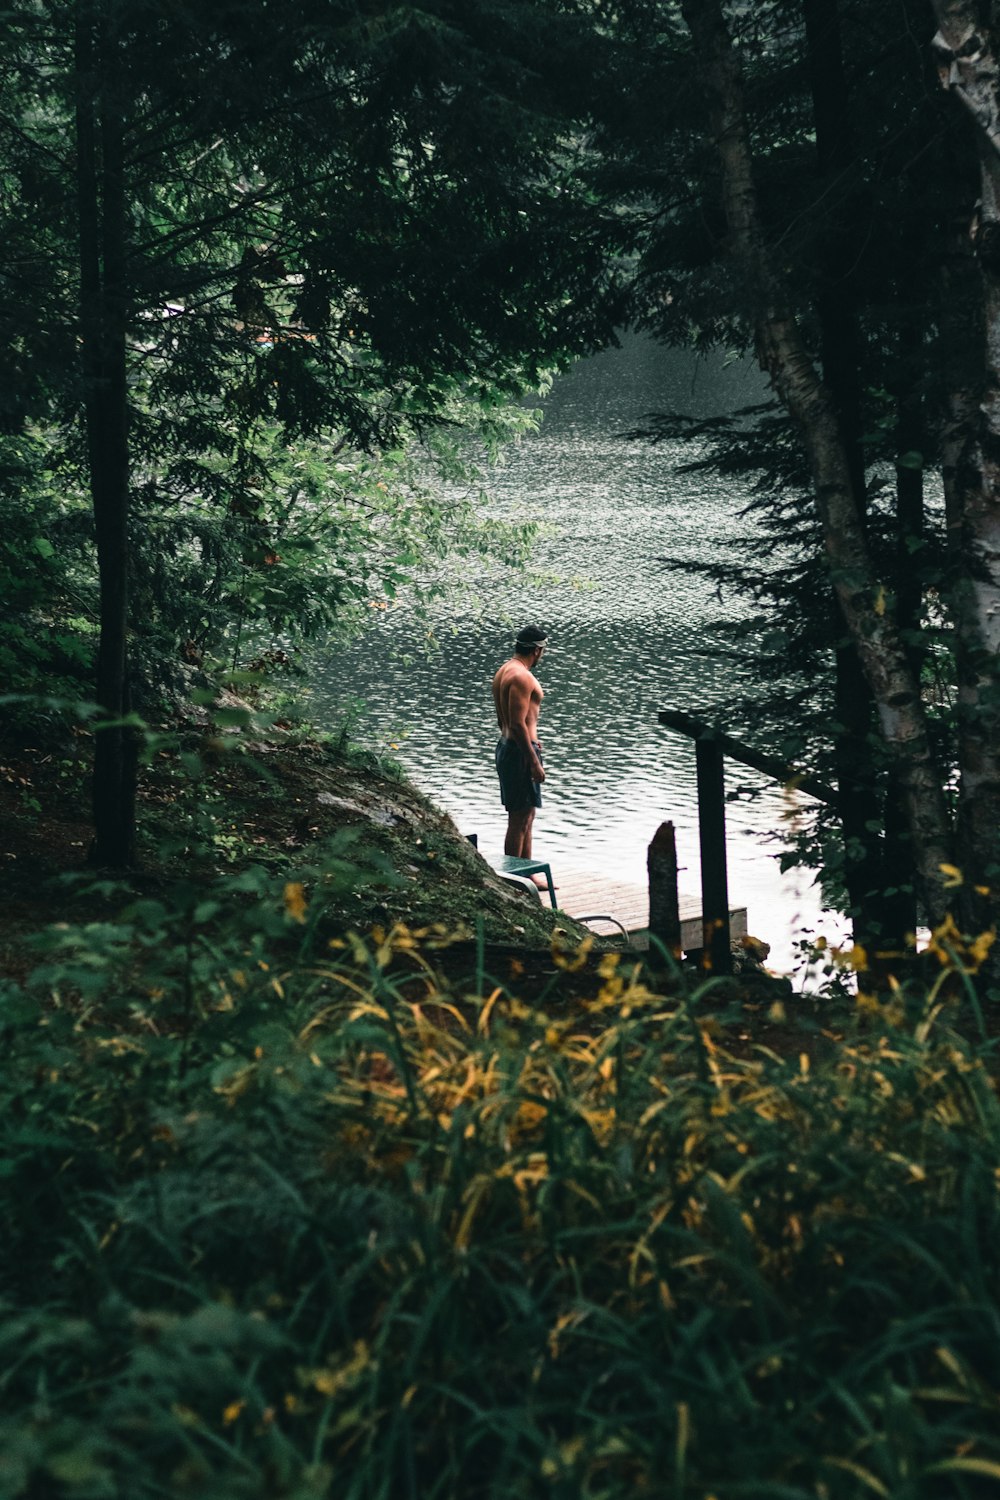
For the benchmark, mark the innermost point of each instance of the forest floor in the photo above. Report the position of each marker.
(296, 807)
(288, 805)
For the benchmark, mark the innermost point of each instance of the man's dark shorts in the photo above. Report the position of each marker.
(517, 790)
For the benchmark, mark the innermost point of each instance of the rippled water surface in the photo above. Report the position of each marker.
(628, 638)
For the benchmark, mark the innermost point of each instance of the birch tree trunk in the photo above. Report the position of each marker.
(782, 355)
(968, 52)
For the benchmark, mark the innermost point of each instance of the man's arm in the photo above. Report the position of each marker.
(518, 704)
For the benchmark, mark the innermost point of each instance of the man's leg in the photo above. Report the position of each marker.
(518, 840)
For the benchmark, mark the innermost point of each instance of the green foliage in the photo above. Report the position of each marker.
(244, 564)
(47, 628)
(351, 245)
(788, 630)
(295, 540)
(289, 1217)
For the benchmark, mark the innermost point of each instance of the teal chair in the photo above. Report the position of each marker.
(512, 864)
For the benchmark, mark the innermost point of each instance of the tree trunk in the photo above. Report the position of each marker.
(103, 299)
(840, 349)
(782, 354)
(968, 55)
(900, 912)
(961, 356)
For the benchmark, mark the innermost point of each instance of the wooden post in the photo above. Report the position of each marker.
(664, 913)
(712, 837)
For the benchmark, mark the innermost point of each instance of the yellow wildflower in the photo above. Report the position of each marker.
(979, 947)
(295, 901)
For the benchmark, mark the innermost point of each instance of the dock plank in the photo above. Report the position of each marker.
(586, 893)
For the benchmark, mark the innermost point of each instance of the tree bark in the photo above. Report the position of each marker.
(103, 312)
(968, 53)
(840, 350)
(783, 356)
(900, 910)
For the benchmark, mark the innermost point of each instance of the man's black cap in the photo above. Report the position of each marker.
(530, 637)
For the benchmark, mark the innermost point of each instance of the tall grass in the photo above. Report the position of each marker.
(291, 1220)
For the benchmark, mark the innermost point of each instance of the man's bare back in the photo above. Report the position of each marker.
(518, 698)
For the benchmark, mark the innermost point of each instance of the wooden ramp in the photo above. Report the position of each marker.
(580, 893)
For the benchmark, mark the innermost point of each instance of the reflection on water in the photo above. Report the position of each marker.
(628, 638)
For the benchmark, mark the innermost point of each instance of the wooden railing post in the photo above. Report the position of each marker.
(712, 836)
(781, 770)
(664, 909)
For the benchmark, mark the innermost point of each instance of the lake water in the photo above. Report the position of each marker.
(628, 637)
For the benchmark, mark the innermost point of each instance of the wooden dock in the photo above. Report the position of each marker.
(581, 893)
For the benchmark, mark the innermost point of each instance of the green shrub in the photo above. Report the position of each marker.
(287, 1219)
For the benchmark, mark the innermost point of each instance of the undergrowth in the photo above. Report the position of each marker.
(292, 1219)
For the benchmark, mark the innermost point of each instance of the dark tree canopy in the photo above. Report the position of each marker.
(350, 226)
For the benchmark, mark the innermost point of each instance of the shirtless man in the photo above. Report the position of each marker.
(518, 699)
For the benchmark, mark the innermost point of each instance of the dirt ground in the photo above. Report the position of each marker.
(288, 805)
